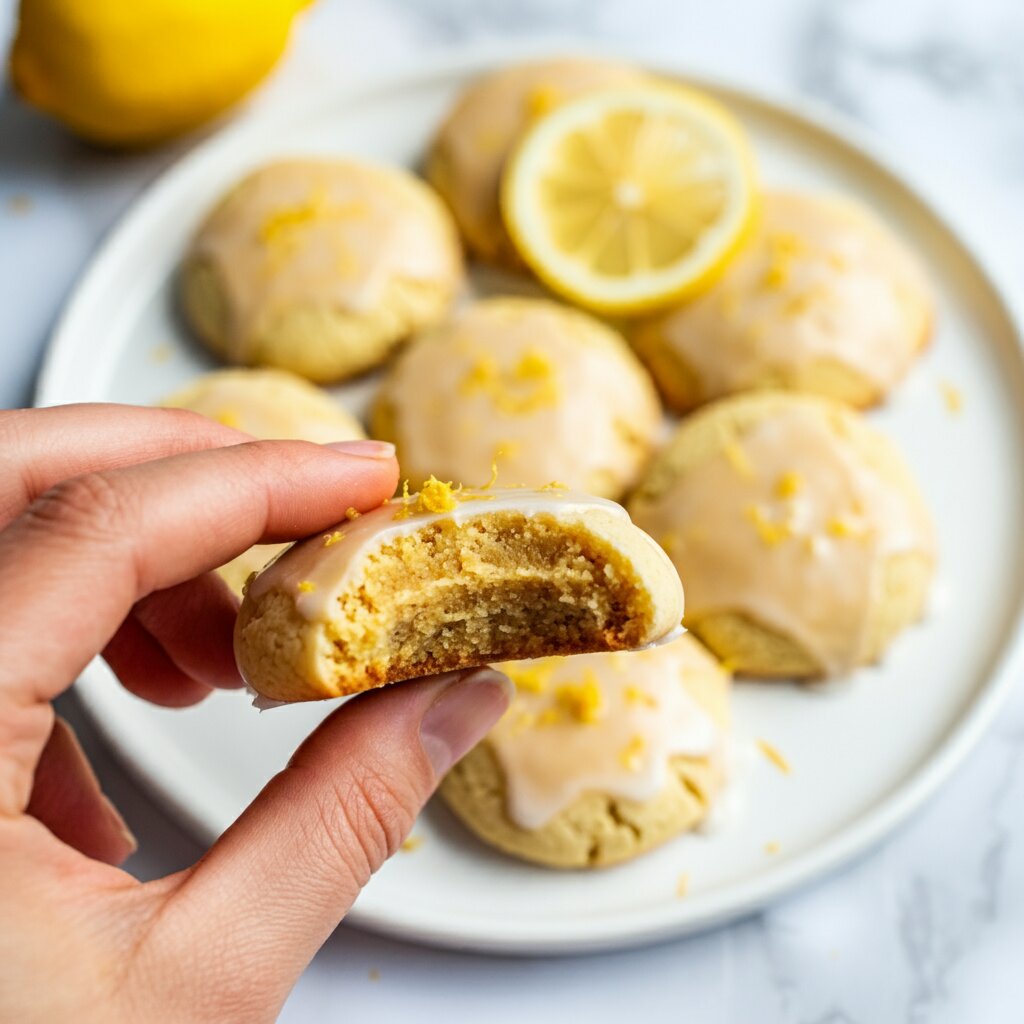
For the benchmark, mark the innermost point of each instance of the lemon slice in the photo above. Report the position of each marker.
(627, 199)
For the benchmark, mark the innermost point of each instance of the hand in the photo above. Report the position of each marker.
(110, 520)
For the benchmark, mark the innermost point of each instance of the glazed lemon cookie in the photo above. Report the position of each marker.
(540, 390)
(600, 757)
(269, 405)
(801, 539)
(472, 145)
(320, 267)
(824, 299)
(448, 579)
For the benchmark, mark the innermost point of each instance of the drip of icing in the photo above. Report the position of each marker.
(802, 559)
(607, 723)
(317, 570)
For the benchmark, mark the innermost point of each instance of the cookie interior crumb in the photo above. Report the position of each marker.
(498, 587)
(451, 595)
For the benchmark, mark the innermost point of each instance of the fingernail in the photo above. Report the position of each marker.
(120, 824)
(364, 449)
(462, 715)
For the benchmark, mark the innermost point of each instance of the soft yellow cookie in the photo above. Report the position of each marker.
(539, 390)
(824, 299)
(320, 267)
(450, 579)
(269, 405)
(472, 145)
(801, 539)
(600, 757)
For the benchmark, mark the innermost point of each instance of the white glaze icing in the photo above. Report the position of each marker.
(317, 570)
(807, 564)
(643, 717)
(323, 234)
(820, 280)
(544, 391)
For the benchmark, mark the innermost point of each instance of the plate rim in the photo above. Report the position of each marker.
(702, 910)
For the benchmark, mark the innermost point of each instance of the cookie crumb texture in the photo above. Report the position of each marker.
(450, 595)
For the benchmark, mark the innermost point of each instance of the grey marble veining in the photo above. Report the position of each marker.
(926, 929)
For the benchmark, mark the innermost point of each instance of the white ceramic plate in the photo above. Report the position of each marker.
(864, 753)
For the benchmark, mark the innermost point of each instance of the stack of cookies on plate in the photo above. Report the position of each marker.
(643, 322)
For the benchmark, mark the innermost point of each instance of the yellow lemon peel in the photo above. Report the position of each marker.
(631, 757)
(583, 700)
(635, 695)
(773, 754)
(534, 677)
(771, 531)
(789, 485)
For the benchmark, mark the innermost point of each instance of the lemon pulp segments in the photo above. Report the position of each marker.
(628, 198)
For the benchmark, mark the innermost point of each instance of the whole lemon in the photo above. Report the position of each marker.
(130, 73)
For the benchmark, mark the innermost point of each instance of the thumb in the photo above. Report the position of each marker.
(282, 877)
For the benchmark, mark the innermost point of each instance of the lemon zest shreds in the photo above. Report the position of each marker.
(549, 716)
(631, 757)
(636, 695)
(527, 387)
(229, 417)
(789, 485)
(737, 458)
(280, 226)
(437, 496)
(952, 396)
(773, 754)
(582, 700)
(532, 677)
(844, 527)
(772, 532)
(405, 511)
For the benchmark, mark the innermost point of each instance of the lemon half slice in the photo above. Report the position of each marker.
(628, 199)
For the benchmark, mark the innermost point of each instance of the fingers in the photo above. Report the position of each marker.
(194, 623)
(103, 541)
(177, 643)
(73, 565)
(67, 799)
(283, 876)
(145, 668)
(40, 447)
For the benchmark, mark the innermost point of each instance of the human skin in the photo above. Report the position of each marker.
(111, 518)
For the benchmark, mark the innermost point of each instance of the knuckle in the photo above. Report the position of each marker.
(12, 423)
(186, 422)
(89, 506)
(365, 817)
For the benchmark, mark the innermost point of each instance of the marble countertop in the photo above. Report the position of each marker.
(927, 928)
